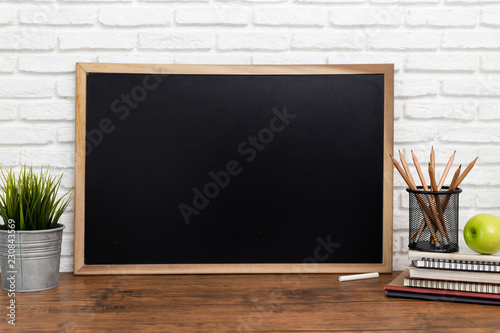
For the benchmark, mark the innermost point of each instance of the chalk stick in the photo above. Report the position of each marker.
(358, 276)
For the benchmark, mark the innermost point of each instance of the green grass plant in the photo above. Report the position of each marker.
(30, 198)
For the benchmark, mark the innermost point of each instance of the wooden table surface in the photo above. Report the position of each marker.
(236, 303)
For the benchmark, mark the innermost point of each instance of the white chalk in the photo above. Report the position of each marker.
(358, 276)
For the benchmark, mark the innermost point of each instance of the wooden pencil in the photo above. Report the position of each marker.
(425, 210)
(455, 178)
(466, 171)
(438, 207)
(432, 201)
(446, 199)
(432, 177)
(419, 171)
(432, 166)
(407, 170)
(424, 185)
(446, 170)
(433, 157)
(413, 187)
(401, 171)
(456, 181)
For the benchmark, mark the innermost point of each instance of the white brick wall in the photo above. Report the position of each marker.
(118, 16)
(56, 16)
(463, 39)
(51, 63)
(291, 17)
(252, 41)
(47, 111)
(8, 111)
(366, 17)
(446, 55)
(7, 64)
(97, 40)
(7, 15)
(176, 40)
(458, 111)
(490, 17)
(65, 88)
(466, 17)
(26, 135)
(212, 16)
(27, 40)
(408, 40)
(442, 62)
(337, 40)
(26, 88)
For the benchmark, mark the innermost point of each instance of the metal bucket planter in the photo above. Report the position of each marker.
(36, 262)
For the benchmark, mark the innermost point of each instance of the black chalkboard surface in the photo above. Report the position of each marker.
(210, 169)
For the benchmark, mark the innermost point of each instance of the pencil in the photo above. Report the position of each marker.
(454, 179)
(432, 177)
(419, 171)
(424, 185)
(466, 171)
(436, 207)
(446, 199)
(432, 202)
(401, 171)
(407, 169)
(439, 216)
(425, 210)
(426, 219)
(432, 166)
(411, 184)
(446, 170)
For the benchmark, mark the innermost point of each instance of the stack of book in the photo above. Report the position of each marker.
(463, 276)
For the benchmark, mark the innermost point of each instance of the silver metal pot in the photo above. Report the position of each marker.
(35, 265)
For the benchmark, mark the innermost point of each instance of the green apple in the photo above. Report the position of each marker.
(482, 233)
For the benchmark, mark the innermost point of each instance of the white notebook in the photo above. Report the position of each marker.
(450, 275)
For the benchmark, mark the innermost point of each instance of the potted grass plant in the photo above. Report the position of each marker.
(30, 236)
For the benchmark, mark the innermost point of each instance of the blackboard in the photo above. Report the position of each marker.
(233, 169)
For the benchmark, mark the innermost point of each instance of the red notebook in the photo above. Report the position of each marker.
(397, 288)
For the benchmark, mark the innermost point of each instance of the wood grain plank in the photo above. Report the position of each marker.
(80, 146)
(235, 69)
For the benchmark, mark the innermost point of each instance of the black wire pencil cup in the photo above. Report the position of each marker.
(435, 227)
(433, 209)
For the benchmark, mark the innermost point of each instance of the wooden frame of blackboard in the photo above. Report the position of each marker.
(82, 69)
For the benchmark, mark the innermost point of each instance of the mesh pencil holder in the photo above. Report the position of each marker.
(433, 220)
